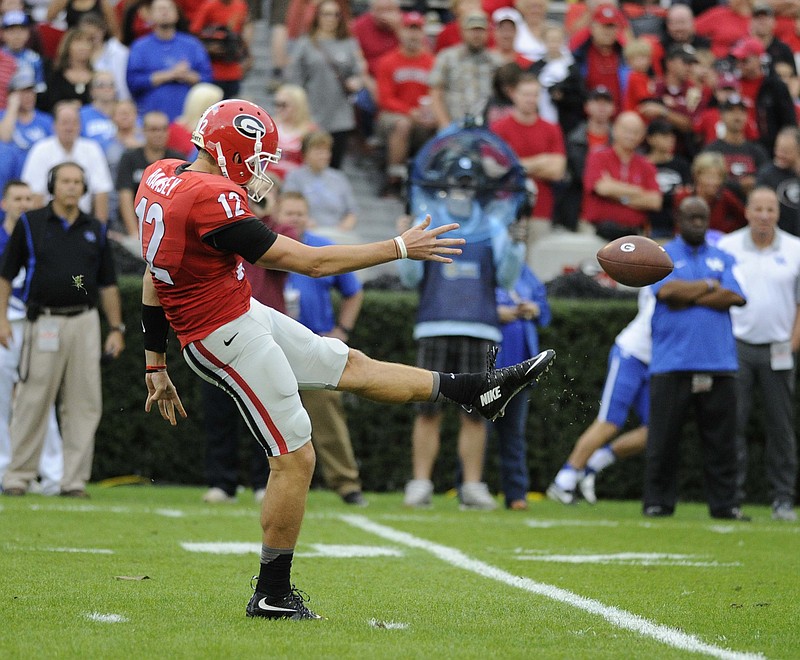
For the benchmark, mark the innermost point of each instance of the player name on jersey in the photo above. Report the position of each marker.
(162, 183)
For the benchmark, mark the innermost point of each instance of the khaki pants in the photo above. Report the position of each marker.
(72, 374)
(331, 440)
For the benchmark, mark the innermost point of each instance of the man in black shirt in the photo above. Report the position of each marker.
(69, 270)
(133, 163)
(782, 176)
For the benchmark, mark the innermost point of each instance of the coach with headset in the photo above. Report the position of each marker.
(69, 271)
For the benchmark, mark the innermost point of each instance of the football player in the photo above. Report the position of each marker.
(196, 228)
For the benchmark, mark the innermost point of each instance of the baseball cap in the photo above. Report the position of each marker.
(413, 19)
(505, 14)
(475, 19)
(748, 47)
(601, 92)
(763, 9)
(23, 78)
(735, 101)
(686, 52)
(15, 17)
(606, 15)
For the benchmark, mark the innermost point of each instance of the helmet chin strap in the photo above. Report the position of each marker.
(223, 165)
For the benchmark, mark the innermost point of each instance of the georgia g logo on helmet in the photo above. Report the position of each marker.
(250, 126)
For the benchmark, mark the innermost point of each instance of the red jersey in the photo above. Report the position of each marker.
(200, 287)
(233, 16)
(638, 171)
(527, 140)
(402, 80)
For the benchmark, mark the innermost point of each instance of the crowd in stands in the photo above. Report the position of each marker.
(702, 78)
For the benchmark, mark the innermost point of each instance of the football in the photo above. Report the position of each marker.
(635, 261)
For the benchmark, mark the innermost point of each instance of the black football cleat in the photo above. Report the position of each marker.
(501, 385)
(291, 606)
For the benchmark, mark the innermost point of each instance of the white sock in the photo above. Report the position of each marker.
(567, 477)
(601, 459)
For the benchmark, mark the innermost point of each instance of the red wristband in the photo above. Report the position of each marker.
(155, 368)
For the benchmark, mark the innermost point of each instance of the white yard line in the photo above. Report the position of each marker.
(615, 616)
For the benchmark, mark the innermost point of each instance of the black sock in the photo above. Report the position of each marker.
(274, 577)
(461, 388)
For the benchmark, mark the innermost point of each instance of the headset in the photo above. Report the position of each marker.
(51, 176)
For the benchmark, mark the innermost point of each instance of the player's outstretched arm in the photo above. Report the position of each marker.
(418, 242)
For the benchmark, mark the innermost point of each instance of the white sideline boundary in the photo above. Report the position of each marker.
(622, 619)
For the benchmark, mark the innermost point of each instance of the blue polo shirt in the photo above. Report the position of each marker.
(316, 308)
(697, 338)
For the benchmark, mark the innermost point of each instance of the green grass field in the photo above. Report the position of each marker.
(555, 582)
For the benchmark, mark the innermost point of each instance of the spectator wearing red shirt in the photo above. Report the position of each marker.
(539, 146)
(641, 85)
(770, 103)
(599, 57)
(708, 125)
(406, 119)
(227, 68)
(451, 33)
(619, 184)
(676, 99)
(505, 22)
(679, 28)
(727, 208)
(743, 157)
(724, 25)
(376, 31)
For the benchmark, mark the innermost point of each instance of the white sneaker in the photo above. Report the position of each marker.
(476, 495)
(558, 494)
(218, 496)
(586, 485)
(783, 511)
(258, 495)
(418, 493)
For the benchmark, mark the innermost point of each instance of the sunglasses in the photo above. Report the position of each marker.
(334, 14)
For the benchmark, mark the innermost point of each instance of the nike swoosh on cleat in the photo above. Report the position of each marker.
(264, 605)
(533, 366)
(228, 343)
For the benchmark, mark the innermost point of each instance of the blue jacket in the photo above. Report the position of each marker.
(521, 337)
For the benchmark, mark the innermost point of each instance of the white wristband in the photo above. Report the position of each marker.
(401, 246)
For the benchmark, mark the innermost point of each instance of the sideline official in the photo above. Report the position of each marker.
(69, 270)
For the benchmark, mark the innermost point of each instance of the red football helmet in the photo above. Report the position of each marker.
(243, 140)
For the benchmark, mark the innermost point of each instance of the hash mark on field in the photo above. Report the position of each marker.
(621, 618)
(627, 559)
(319, 550)
(546, 524)
(387, 625)
(90, 551)
(106, 618)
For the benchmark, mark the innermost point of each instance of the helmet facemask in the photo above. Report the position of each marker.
(260, 184)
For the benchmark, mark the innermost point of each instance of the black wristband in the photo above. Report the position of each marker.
(347, 331)
(155, 327)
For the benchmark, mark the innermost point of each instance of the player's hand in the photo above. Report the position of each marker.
(161, 390)
(114, 344)
(423, 244)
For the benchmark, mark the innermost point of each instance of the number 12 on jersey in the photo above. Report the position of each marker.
(152, 216)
